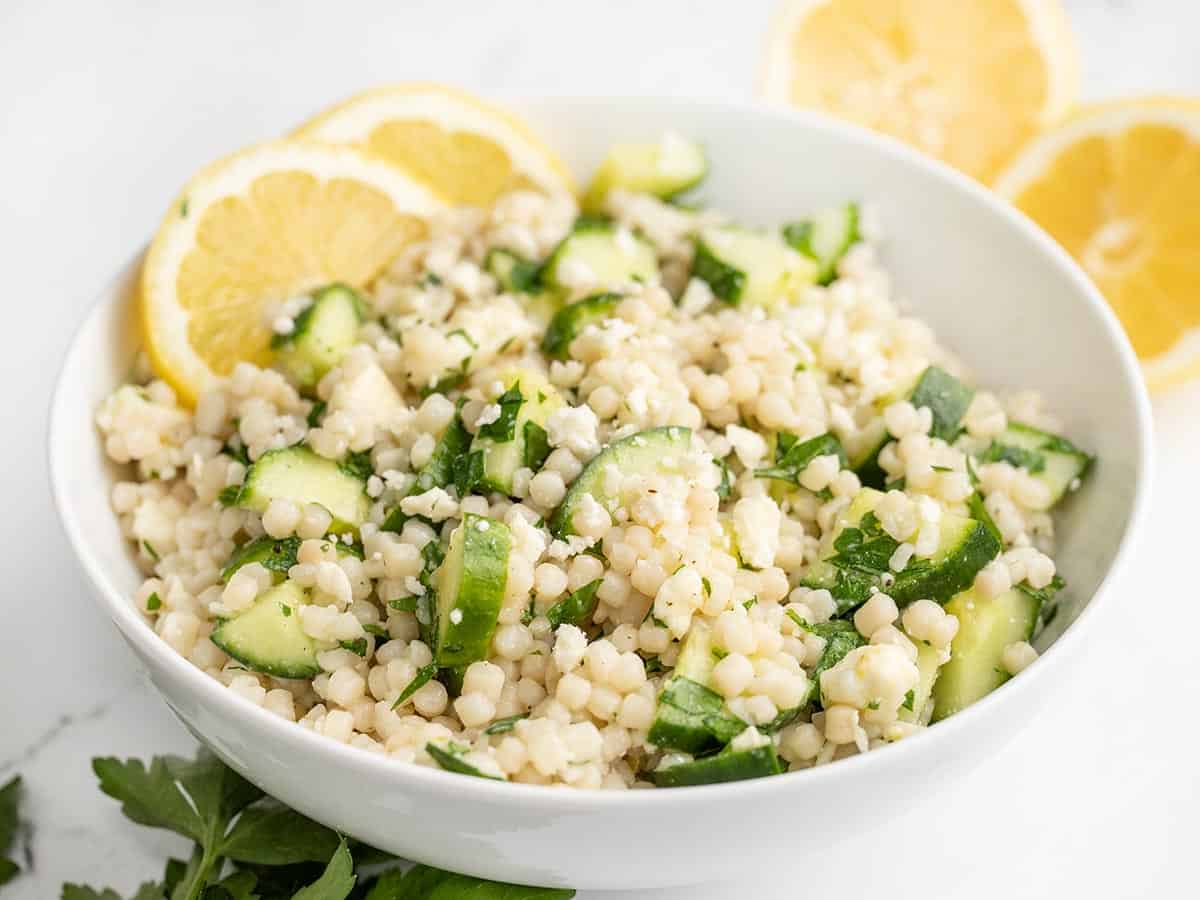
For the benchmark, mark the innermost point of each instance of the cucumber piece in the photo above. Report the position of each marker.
(469, 586)
(750, 268)
(300, 475)
(570, 321)
(728, 765)
(647, 451)
(612, 254)
(985, 628)
(664, 168)
(792, 455)
(576, 608)
(517, 438)
(515, 274)
(946, 397)
(691, 716)
(825, 238)
(929, 662)
(856, 553)
(1051, 459)
(320, 335)
(267, 637)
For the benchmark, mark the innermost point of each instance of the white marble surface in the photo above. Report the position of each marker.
(105, 108)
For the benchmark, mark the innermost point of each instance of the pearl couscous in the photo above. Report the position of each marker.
(635, 498)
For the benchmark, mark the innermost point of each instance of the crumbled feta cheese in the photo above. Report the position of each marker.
(756, 522)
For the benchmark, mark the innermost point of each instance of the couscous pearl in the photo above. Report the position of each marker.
(732, 674)
(1018, 656)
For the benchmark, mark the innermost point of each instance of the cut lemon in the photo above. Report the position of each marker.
(967, 81)
(258, 227)
(1118, 185)
(468, 151)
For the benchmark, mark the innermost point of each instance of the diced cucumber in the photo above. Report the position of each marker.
(570, 321)
(577, 608)
(320, 335)
(691, 716)
(666, 167)
(276, 556)
(268, 637)
(728, 765)
(300, 475)
(825, 238)
(856, 553)
(470, 590)
(985, 628)
(514, 274)
(647, 451)
(929, 662)
(1051, 459)
(608, 254)
(946, 397)
(751, 268)
(517, 438)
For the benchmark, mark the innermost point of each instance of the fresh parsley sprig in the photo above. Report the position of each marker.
(248, 846)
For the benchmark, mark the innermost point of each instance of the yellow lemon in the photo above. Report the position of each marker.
(466, 150)
(1118, 185)
(967, 81)
(256, 228)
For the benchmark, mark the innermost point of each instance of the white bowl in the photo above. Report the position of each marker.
(995, 289)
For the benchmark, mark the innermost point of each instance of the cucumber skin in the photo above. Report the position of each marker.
(479, 594)
(276, 556)
(590, 477)
(726, 282)
(692, 717)
(739, 765)
(570, 321)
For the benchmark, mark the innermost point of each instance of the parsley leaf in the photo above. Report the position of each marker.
(451, 759)
(336, 882)
(426, 883)
(505, 725)
(792, 455)
(358, 465)
(10, 825)
(504, 427)
(148, 891)
(424, 674)
(576, 608)
(1022, 458)
(725, 485)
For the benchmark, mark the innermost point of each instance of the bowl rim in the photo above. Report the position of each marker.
(581, 800)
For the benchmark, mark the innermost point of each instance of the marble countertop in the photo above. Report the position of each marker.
(1097, 797)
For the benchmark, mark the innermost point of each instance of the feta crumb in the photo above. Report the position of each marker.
(756, 522)
(456, 616)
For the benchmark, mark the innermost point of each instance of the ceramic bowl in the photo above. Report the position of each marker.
(996, 290)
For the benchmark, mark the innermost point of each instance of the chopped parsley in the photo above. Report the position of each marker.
(792, 455)
(153, 602)
(287, 612)
(504, 427)
(576, 608)
(314, 415)
(422, 678)
(150, 551)
(909, 699)
(229, 495)
(358, 646)
(377, 630)
(358, 465)
(508, 723)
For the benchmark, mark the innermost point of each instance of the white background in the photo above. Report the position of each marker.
(105, 108)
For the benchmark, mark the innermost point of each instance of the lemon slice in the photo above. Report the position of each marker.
(468, 151)
(1118, 185)
(967, 81)
(255, 228)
